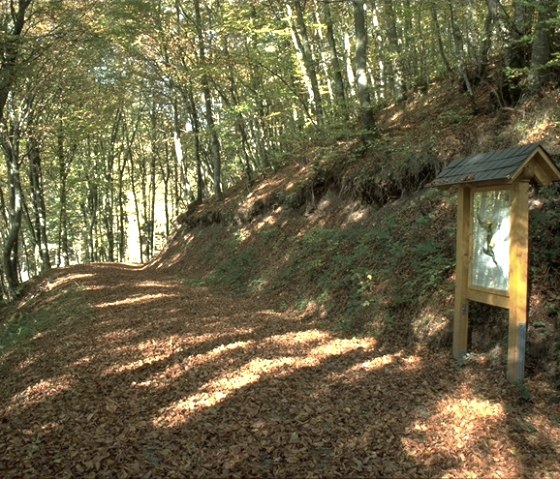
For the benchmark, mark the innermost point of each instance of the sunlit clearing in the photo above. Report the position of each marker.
(313, 348)
(39, 392)
(145, 298)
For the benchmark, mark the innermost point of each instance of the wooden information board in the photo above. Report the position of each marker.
(493, 238)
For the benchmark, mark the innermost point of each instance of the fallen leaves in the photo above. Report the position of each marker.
(193, 384)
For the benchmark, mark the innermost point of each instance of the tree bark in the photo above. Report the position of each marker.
(336, 65)
(542, 44)
(491, 15)
(437, 28)
(394, 62)
(362, 79)
(458, 43)
(195, 122)
(11, 246)
(9, 51)
(38, 199)
(215, 149)
(301, 39)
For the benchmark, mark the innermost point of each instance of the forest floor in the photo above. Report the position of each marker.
(130, 372)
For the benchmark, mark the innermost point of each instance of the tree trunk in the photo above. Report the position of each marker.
(519, 49)
(195, 122)
(122, 214)
(64, 159)
(542, 44)
(362, 79)
(491, 14)
(336, 65)
(394, 61)
(9, 51)
(437, 28)
(210, 124)
(302, 43)
(11, 246)
(458, 43)
(38, 199)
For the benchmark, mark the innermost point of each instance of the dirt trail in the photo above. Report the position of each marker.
(158, 379)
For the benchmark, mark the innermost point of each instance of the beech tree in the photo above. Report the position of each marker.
(13, 20)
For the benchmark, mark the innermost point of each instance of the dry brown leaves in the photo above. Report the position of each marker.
(163, 380)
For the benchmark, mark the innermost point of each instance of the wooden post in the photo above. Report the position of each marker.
(518, 260)
(461, 315)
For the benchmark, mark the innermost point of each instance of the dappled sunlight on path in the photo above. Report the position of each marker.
(145, 376)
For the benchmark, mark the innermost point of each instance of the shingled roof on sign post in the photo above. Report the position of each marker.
(502, 166)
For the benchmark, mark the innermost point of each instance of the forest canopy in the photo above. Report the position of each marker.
(116, 115)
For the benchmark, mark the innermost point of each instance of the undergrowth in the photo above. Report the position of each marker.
(68, 305)
(352, 274)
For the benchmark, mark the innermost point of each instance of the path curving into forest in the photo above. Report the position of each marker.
(143, 375)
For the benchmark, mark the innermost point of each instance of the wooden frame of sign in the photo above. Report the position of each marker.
(493, 239)
(514, 298)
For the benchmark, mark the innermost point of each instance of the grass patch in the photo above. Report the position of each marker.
(359, 275)
(66, 307)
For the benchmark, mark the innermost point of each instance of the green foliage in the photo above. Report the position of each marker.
(524, 396)
(356, 274)
(64, 308)
(545, 227)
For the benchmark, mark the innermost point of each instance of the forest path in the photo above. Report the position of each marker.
(145, 376)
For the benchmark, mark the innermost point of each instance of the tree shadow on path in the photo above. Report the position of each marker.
(165, 380)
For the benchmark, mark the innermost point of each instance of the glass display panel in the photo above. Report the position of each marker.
(491, 237)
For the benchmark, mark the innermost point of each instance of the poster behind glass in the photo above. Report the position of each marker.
(491, 238)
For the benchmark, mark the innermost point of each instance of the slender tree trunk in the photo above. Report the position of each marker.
(542, 44)
(362, 80)
(138, 216)
(38, 199)
(210, 124)
(9, 51)
(11, 246)
(256, 125)
(394, 62)
(303, 44)
(64, 161)
(519, 48)
(336, 65)
(122, 214)
(491, 14)
(165, 171)
(437, 28)
(458, 42)
(152, 202)
(195, 121)
(4, 291)
(114, 153)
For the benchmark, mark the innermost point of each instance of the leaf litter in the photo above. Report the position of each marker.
(162, 379)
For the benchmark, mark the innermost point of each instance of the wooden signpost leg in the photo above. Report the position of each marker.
(518, 260)
(461, 315)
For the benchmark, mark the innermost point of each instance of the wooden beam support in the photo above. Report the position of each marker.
(461, 314)
(486, 297)
(519, 245)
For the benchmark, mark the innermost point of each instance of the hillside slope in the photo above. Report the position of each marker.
(348, 232)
